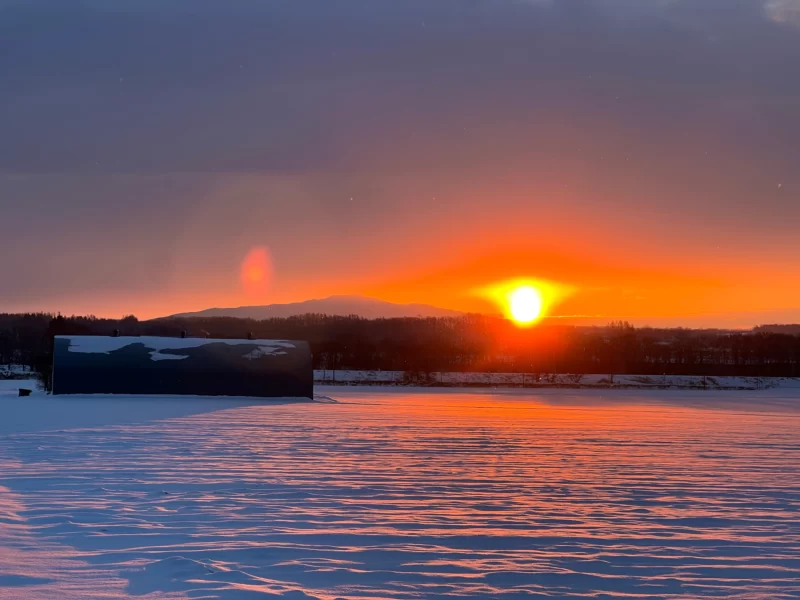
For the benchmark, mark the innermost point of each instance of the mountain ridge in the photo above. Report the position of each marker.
(340, 305)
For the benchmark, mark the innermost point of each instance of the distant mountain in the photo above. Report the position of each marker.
(369, 308)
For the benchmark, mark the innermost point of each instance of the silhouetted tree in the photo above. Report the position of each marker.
(469, 343)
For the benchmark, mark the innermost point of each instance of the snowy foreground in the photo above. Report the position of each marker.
(402, 493)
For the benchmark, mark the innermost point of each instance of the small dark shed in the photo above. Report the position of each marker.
(182, 366)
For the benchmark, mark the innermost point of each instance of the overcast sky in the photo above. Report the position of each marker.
(644, 152)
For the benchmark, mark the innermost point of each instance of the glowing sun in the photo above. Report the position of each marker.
(525, 304)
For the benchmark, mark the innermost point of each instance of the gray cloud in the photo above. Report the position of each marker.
(783, 11)
(119, 117)
(279, 86)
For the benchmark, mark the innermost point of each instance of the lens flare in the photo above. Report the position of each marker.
(255, 271)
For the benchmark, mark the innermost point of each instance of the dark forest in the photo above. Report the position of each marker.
(470, 343)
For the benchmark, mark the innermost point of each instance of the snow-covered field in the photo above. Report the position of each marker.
(402, 493)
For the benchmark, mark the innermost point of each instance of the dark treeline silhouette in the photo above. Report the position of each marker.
(469, 343)
(793, 329)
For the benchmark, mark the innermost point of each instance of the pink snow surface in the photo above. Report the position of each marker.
(402, 493)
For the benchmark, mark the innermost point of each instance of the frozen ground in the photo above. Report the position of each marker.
(398, 493)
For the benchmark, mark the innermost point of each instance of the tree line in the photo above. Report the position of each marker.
(468, 343)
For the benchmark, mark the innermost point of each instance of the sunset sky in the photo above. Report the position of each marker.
(642, 154)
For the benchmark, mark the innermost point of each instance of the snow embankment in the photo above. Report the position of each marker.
(353, 377)
(15, 372)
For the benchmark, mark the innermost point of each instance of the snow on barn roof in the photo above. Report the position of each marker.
(105, 345)
(182, 366)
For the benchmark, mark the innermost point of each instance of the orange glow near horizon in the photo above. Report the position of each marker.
(578, 285)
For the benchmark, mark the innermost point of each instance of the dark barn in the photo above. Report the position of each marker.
(182, 366)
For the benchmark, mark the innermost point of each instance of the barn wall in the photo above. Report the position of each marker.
(191, 366)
